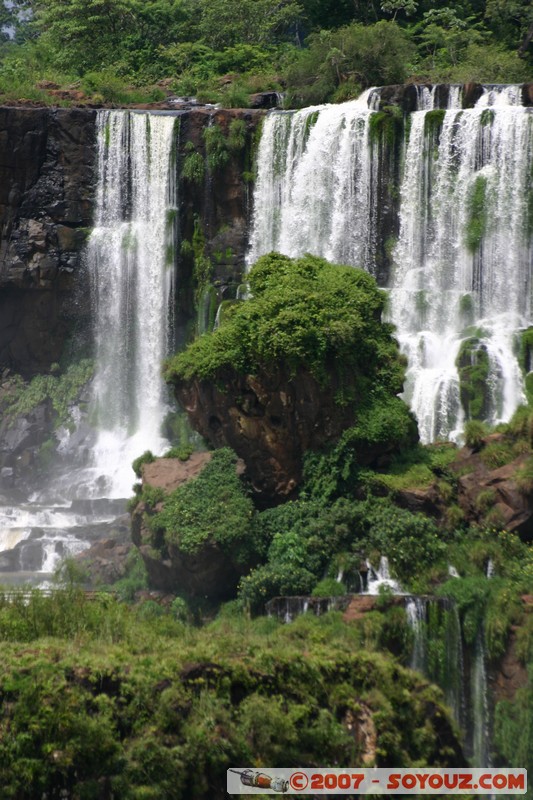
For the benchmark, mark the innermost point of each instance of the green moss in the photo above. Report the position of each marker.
(477, 214)
(466, 309)
(497, 454)
(525, 358)
(487, 117)
(473, 366)
(216, 146)
(485, 500)
(385, 127)
(236, 135)
(61, 391)
(433, 121)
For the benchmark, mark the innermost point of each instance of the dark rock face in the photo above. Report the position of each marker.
(215, 211)
(271, 420)
(46, 199)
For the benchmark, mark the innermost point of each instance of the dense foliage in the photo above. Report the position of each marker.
(303, 313)
(224, 49)
(141, 705)
(213, 509)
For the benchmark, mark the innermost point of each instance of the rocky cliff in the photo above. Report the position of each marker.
(46, 199)
(47, 186)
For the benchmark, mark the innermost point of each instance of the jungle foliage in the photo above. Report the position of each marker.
(134, 703)
(222, 50)
(303, 313)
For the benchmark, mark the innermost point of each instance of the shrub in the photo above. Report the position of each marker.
(146, 458)
(211, 509)
(329, 587)
(475, 432)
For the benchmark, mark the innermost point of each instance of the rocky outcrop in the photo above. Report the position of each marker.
(207, 573)
(47, 186)
(494, 495)
(406, 95)
(46, 202)
(270, 420)
(169, 473)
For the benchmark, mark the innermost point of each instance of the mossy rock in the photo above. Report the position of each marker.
(474, 367)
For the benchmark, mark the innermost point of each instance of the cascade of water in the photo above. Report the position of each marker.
(315, 190)
(463, 234)
(380, 578)
(130, 258)
(462, 262)
(480, 723)
(416, 610)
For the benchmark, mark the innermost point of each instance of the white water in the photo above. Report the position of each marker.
(415, 609)
(315, 189)
(481, 736)
(130, 260)
(436, 276)
(133, 288)
(316, 192)
(380, 579)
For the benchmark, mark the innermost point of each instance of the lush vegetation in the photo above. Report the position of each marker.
(100, 700)
(60, 389)
(122, 51)
(213, 509)
(304, 313)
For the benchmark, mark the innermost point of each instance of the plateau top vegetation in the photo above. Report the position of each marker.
(138, 51)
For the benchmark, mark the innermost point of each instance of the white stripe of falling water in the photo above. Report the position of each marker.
(132, 287)
(415, 609)
(431, 257)
(314, 190)
(381, 578)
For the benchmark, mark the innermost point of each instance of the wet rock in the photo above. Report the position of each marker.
(265, 100)
(105, 562)
(47, 161)
(509, 506)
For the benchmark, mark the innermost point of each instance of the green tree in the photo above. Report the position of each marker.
(513, 20)
(444, 36)
(93, 34)
(355, 55)
(227, 23)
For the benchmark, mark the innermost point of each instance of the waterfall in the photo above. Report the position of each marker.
(416, 611)
(461, 265)
(316, 179)
(380, 578)
(480, 725)
(131, 262)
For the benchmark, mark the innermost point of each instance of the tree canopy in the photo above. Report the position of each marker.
(314, 50)
(303, 313)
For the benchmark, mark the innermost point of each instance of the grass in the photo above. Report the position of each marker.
(418, 467)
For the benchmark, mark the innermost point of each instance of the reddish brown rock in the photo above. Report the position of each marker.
(513, 508)
(270, 420)
(169, 473)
